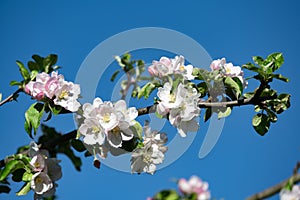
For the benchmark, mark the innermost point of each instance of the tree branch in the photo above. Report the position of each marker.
(11, 97)
(274, 189)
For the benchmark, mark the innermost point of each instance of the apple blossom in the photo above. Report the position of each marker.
(228, 69)
(45, 171)
(145, 158)
(104, 126)
(194, 185)
(54, 87)
(41, 183)
(294, 194)
(181, 105)
(166, 66)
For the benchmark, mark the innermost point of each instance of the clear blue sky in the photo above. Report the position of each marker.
(241, 163)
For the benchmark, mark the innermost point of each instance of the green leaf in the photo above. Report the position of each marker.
(39, 61)
(272, 116)
(27, 176)
(249, 95)
(11, 166)
(33, 118)
(277, 59)
(12, 83)
(114, 75)
(55, 109)
(208, 114)
(224, 113)
(24, 190)
(33, 74)
(137, 130)
(48, 62)
(200, 74)
(24, 72)
(33, 66)
(258, 60)
(146, 90)
(256, 120)
(261, 123)
(280, 77)
(4, 189)
(167, 195)
(251, 67)
(77, 145)
(202, 89)
(234, 86)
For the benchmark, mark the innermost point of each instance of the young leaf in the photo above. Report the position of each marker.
(251, 67)
(11, 166)
(167, 195)
(12, 83)
(33, 117)
(261, 123)
(277, 59)
(224, 113)
(234, 86)
(24, 72)
(24, 190)
(208, 114)
(48, 62)
(137, 130)
(114, 75)
(258, 60)
(27, 176)
(280, 77)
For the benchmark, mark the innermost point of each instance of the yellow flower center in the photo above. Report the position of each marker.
(228, 70)
(172, 98)
(147, 158)
(116, 130)
(95, 129)
(106, 118)
(63, 94)
(181, 68)
(36, 165)
(38, 180)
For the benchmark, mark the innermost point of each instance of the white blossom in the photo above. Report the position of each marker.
(45, 171)
(166, 66)
(41, 183)
(54, 87)
(181, 107)
(145, 159)
(104, 126)
(294, 194)
(228, 69)
(194, 185)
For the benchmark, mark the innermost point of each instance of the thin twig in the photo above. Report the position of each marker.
(274, 189)
(11, 97)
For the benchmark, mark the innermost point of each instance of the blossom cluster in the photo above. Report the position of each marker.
(46, 171)
(228, 69)
(290, 194)
(54, 87)
(145, 158)
(181, 106)
(194, 185)
(104, 125)
(166, 66)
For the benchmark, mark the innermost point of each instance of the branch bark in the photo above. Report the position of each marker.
(274, 189)
(11, 97)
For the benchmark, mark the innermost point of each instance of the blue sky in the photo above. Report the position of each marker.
(241, 163)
